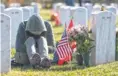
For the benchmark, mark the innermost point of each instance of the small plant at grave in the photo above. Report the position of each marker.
(80, 35)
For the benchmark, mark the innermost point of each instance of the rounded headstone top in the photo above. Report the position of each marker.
(13, 8)
(64, 8)
(3, 14)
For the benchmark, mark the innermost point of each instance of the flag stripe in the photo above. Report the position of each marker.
(69, 49)
(66, 52)
(58, 52)
(63, 51)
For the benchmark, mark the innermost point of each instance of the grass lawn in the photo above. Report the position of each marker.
(110, 69)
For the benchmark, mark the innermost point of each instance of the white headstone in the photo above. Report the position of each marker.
(36, 9)
(64, 14)
(56, 6)
(31, 9)
(2, 7)
(5, 62)
(114, 5)
(89, 8)
(103, 32)
(16, 15)
(112, 9)
(26, 13)
(96, 8)
(80, 15)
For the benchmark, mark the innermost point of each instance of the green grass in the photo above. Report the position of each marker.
(110, 69)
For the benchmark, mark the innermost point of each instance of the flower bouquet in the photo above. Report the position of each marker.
(80, 35)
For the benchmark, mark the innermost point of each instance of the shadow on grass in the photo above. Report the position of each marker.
(66, 67)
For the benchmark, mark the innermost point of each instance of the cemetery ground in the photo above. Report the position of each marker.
(110, 69)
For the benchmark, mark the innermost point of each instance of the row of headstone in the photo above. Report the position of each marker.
(65, 12)
(19, 14)
(78, 14)
(10, 18)
(97, 7)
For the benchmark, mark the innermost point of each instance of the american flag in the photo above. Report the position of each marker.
(64, 50)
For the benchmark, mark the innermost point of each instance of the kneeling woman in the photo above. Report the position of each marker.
(31, 43)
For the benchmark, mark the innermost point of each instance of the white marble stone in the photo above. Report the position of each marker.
(96, 8)
(5, 64)
(103, 32)
(26, 13)
(2, 7)
(89, 7)
(31, 10)
(16, 15)
(56, 6)
(112, 9)
(64, 15)
(35, 6)
(114, 5)
(80, 15)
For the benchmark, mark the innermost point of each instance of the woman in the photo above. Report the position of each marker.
(32, 44)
